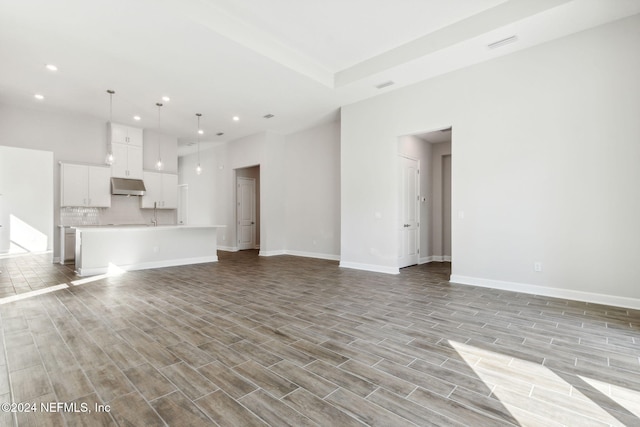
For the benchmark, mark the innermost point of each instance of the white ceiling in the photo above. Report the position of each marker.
(299, 60)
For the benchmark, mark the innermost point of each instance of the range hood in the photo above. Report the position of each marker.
(127, 187)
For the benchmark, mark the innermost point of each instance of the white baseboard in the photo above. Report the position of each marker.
(370, 267)
(56, 260)
(549, 292)
(286, 252)
(317, 255)
(435, 258)
(272, 253)
(147, 265)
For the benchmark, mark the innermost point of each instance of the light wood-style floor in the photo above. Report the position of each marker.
(253, 341)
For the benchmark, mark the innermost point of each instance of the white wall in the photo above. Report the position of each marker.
(26, 200)
(545, 167)
(213, 192)
(299, 190)
(202, 196)
(168, 151)
(312, 192)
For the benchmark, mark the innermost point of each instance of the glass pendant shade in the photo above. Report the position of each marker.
(159, 164)
(198, 133)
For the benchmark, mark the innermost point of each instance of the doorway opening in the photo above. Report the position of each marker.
(432, 152)
(247, 185)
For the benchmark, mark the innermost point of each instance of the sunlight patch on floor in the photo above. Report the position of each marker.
(629, 399)
(548, 394)
(26, 295)
(112, 271)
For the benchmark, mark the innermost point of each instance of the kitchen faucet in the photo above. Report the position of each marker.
(155, 214)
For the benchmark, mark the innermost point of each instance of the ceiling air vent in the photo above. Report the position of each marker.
(220, 133)
(268, 116)
(503, 42)
(385, 84)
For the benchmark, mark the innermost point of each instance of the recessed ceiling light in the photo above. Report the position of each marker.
(200, 131)
(236, 118)
(137, 118)
(51, 67)
(38, 96)
(166, 99)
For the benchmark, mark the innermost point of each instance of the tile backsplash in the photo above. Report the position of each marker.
(123, 210)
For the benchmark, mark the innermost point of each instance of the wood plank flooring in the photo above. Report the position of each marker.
(254, 341)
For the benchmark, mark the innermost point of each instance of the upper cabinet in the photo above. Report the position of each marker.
(126, 146)
(83, 185)
(121, 134)
(162, 190)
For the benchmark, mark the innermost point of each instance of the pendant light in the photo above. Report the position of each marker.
(198, 168)
(109, 159)
(159, 163)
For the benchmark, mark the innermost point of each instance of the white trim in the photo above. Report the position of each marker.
(148, 265)
(549, 292)
(435, 258)
(56, 260)
(314, 255)
(228, 248)
(370, 267)
(272, 253)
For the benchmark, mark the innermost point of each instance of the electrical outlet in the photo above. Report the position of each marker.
(537, 266)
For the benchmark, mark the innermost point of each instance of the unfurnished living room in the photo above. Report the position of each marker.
(286, 213)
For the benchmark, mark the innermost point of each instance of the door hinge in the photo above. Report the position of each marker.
(418, 250)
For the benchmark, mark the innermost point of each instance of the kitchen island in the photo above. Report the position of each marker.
(99, 249)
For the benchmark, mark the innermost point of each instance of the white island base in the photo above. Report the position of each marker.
(99, 249)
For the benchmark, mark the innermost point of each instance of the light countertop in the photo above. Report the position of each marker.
(107, 228)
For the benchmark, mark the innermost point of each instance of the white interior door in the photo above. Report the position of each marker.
(246, 213)
(409, 227)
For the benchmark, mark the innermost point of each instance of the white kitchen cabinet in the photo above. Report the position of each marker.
(121, 134)
(126, 146)
(162, 189)
(85, 185)
(127, 161)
